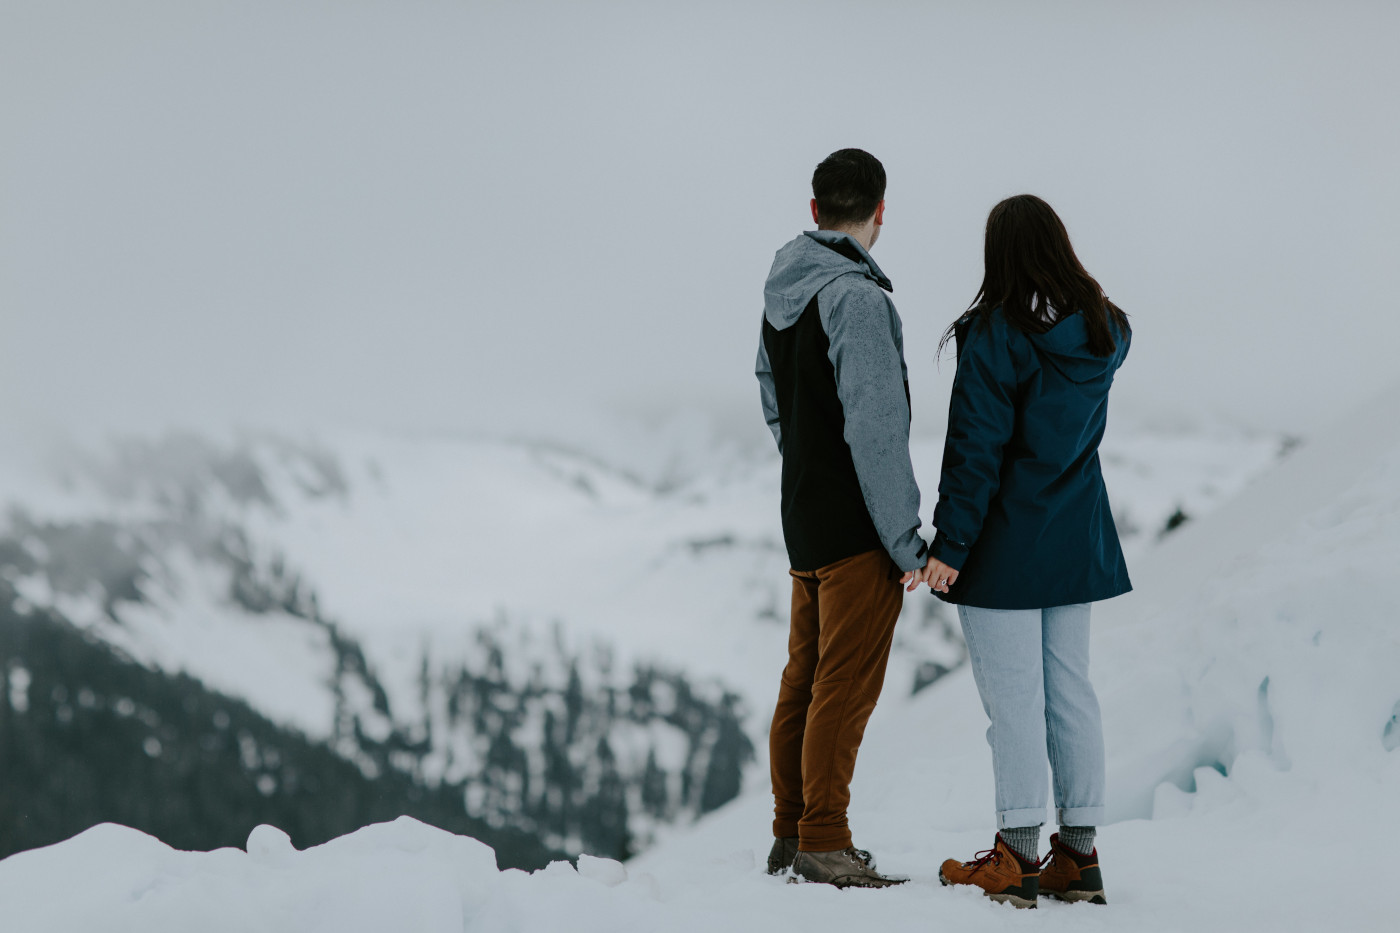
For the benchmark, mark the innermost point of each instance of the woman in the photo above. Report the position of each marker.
(1026, 542)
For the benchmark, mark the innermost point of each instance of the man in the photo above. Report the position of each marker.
(835, 393)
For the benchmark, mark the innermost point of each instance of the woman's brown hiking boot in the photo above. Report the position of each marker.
(1071, 875)
(1000, 872)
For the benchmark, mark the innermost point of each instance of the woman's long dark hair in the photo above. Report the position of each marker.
(1027, 257)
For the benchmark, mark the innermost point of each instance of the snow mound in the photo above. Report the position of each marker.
(1267, 633)
(400, 875)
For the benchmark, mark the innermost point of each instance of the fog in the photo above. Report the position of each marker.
(448, 217)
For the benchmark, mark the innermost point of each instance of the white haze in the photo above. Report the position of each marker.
(442, 216)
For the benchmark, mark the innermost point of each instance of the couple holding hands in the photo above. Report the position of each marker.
(1024, 542)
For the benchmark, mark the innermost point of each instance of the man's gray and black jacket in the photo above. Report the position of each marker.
(835, 393)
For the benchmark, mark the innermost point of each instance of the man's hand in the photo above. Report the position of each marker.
(938, 575)
(914, 578)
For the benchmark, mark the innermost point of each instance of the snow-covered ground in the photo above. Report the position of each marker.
(1251, 688)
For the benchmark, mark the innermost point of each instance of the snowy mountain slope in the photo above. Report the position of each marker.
(437, 532)
(1309, 772)
(159, 552)
(403, 542)
(458, 608)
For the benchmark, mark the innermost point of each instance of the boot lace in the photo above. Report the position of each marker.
(989, 856)
(993, 856)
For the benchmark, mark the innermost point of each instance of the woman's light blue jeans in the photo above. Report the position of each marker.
(1032, 670)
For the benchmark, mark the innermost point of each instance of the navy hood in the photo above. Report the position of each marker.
(1066, 347)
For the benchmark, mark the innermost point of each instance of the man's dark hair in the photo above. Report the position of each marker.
(848, 185)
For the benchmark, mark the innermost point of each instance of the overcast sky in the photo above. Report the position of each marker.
(449, 216)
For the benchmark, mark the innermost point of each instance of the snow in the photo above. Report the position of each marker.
(1249, 688)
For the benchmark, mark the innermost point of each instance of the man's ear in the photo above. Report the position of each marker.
(814, 213)
(879, 212)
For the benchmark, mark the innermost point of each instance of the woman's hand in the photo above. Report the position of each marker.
(938, 575)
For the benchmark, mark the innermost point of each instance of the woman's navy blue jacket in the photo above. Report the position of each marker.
(1022, 511)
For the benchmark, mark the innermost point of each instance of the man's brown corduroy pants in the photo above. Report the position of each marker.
(843, 618)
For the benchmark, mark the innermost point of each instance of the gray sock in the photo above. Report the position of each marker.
(1025, 840)
(1078, 838)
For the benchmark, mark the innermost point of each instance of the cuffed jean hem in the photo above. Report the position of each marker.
(1014, 819)
(1080, 816)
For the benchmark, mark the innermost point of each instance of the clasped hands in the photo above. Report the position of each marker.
(938, 575)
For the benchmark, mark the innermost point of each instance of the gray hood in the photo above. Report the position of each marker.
(807, 265)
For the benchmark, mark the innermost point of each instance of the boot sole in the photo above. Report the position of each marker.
(1073, 897)
(1021, 903)
(853, 883)
(890, 883)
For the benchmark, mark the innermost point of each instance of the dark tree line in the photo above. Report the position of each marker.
(545, 749)
(87, 736)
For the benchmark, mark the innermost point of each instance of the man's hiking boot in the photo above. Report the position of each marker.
(1071, 875)
(785, 850)
(843, 868)
(1000, 872)
(781, 855)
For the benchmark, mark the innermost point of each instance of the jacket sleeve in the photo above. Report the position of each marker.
(898, 330)
(862, 327)
(981, 419)
(767, 392)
